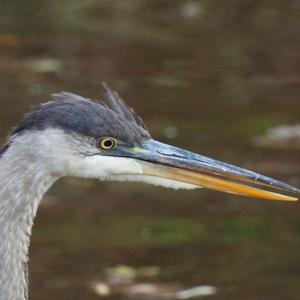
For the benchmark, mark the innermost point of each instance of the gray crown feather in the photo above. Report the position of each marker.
(71, 112)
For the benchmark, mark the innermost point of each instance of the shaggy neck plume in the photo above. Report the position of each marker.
(23, 184)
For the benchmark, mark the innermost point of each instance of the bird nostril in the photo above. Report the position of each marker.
(170, 154)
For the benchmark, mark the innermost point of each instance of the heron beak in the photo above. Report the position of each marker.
(165, 161)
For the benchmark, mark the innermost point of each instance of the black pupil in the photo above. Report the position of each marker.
(108, 143)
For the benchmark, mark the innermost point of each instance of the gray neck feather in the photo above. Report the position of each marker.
(23, 181)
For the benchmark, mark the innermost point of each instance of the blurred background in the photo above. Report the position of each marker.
(220, 78)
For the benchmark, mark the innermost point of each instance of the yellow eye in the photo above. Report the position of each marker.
(107, 143)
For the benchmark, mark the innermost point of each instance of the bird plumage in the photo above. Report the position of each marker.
(64, 137)
(57, 139)
(91, 118)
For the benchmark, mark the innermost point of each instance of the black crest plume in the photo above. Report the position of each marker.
(71, 112)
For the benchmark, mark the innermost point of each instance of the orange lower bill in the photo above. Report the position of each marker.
(210, 182)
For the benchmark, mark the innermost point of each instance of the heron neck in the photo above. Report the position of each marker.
(23, 183)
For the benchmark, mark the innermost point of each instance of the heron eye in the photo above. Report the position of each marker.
(107, 143)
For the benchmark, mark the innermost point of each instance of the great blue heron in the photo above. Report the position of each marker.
(74, 136)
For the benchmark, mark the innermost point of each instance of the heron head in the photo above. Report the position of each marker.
(108, 140)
